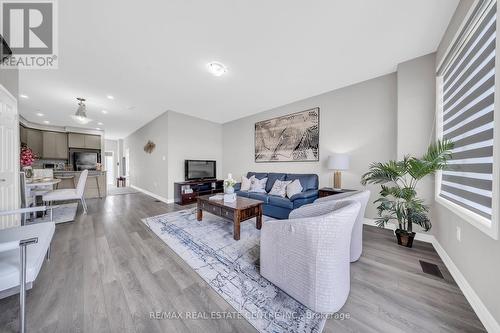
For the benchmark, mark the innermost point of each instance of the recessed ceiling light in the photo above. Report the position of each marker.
(100, 124)
(23, 96)
(98, 128)
(46, 122)
(104, 111)
(216, 68)
(110, 97)
(39, 114)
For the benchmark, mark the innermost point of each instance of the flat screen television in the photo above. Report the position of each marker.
(199, 169)
(85, 161)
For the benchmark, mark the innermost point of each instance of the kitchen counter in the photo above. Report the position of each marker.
(95, 186)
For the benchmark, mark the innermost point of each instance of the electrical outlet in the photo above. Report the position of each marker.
(459, 234)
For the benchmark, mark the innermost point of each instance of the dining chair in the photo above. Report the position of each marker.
(70, 193)
(42, 173)
(27, 197)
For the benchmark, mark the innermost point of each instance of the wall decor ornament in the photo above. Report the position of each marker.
(149, 147)
(290, 138)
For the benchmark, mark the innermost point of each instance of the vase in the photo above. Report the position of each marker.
(28, 171)
(229, 190)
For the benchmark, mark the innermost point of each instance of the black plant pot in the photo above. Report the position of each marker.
(405, 238)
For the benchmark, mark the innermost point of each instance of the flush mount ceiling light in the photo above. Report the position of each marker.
(110, 97)
(46, 122)
(23, 96)
(216, 68)
(39, 114)
(104, 111)
(81, 113)
(100, 124)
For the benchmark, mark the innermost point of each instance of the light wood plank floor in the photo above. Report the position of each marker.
(108, 272)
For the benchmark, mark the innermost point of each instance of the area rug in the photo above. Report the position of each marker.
(231, 268)
(60, 213)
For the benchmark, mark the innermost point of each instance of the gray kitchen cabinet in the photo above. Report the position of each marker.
(93, 141)
(23, 134)
(34, 140)
(76, 140)
(55, 145)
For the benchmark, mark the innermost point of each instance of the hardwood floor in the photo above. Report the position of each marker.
(108, 272)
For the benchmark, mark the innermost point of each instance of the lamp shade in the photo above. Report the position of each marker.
(338, 162)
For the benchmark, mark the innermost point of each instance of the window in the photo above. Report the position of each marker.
(466, 111)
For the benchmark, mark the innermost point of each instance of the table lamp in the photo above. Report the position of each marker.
(338, 162)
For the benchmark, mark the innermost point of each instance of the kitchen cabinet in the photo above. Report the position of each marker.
(34, 140)
(55, 145)
(23, 134)
(84, 141)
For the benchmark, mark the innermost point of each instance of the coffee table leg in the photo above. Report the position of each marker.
(199, 215)
(259, 218)
(236, 232)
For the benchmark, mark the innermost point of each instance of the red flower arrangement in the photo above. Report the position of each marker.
(27, 157)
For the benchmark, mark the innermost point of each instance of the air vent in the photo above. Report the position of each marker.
(431, 269)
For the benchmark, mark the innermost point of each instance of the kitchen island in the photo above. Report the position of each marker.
(94, 188)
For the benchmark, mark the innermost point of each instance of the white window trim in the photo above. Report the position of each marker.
(490, 228)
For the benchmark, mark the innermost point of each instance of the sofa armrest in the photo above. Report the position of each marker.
(237, 186)
(305, 195)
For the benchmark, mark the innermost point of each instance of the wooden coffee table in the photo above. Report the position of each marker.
(241, 210)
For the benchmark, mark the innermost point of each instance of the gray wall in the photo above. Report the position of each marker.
(177, 137)
(359, 120)
(477, 255)
(150, 171)
(9, 78)
(416, 105)
(191, 138)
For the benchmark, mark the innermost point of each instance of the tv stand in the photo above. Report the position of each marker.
(184, 196)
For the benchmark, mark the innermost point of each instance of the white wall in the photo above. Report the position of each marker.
(359, 120)
(177, 137)
(9, 78)
(477, 255)
(191, 138)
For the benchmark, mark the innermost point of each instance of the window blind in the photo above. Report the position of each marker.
(467, 118)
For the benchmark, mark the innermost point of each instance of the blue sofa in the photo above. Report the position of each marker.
(279, 207)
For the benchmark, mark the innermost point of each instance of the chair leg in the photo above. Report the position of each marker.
(84, 204)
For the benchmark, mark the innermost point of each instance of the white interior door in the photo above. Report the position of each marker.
(109, 162)
(9, 158)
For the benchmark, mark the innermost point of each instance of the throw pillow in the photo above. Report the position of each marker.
(245, 183)
(258, 185)
(279, 188)
(293, 188)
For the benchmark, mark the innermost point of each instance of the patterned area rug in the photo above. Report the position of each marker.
(232, 269)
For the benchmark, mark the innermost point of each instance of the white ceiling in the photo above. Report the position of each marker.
(151, 55)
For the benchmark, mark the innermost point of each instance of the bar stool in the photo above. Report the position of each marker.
(62, 178)
(96, 177)
(121, 181)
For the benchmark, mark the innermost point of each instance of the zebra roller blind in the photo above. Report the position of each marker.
(467, 118)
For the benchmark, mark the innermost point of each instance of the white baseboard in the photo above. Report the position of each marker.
(151, 194)
(477, 305)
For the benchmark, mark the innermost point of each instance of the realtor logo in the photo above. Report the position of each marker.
(29, 28)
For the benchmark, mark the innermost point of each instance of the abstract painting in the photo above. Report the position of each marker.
(290, 138)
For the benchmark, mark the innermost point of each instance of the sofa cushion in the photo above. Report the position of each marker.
(273, 177)
(259, 196)
(245, 183)
(293, 188)
(279, 188)
(308, 181)
(242, 193)
(258, 185)
(280, 202)
(258, 175)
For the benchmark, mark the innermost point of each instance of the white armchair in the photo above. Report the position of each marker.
(324, 205)
(22, 252)
(70, 193)
(308, 258)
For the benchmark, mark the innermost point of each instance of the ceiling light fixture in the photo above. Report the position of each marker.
(100, 124)
(104, 111)
(216, 68)
(23, 96)
(46, 122)
(98, 128)
(39, 114)
(110, 97)
(81, 113)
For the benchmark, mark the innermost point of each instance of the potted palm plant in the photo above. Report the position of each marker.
(398, 196)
